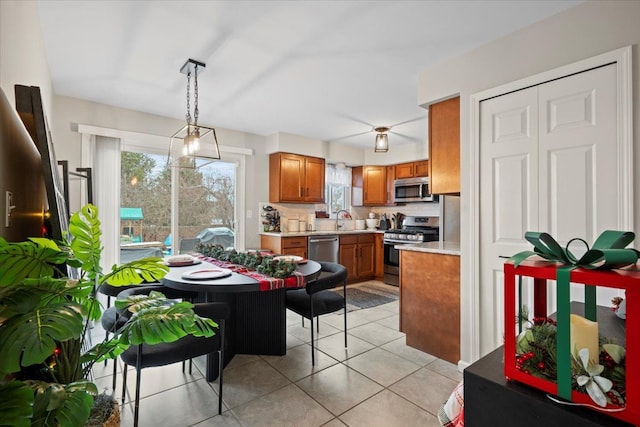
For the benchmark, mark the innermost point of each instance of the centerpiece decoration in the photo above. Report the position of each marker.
(252, 260)
(564, 354)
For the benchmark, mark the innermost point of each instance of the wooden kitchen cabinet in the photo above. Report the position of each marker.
(369, 186)
(296, 179)
(357, 254)
(412, 169)
(444, 147)
(285, 245)
(430, 303)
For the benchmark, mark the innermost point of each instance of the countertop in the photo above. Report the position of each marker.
(319, 233)
(445, 248)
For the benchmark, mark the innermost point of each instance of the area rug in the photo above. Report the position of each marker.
(369, 294)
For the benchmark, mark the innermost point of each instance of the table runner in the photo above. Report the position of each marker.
(266, 283)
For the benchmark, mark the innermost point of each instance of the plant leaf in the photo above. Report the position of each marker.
(616, 352)
(582, 380)
(604, 383)
(28, 259)
(16, 404)
(84, 227)
(135, 272)
(584, 357)
(30, 338)
(596, 394)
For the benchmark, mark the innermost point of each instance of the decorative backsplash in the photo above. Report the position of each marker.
(306, 213)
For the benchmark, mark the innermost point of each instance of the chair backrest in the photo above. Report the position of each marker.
(188, 245)
(337, 274)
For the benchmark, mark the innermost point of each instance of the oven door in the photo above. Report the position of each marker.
(391, 264)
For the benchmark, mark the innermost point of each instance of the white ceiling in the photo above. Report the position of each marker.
(322, 69)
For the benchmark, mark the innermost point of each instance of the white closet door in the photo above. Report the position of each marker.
(578, 161)
(509, 197)
(548, 162)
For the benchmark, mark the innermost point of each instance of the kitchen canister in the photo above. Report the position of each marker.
(360, 224)
(293, 225)
(302, 226)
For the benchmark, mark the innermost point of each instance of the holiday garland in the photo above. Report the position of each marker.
(252, 260)
(536, 354)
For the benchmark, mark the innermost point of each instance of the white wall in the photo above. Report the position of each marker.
(581, 32)
(22, 57)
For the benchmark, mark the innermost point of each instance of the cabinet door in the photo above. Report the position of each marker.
(314, 180)
(421, 168)
(391, 176)
(444, 146)
(404, 170)
(366, 259)
(301, 252)
(286, 176)
(375, 185)
(348, 258)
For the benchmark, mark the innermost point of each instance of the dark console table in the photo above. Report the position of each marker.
(491, 400)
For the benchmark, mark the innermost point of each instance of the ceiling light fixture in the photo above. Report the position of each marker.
(193, 141)
(382, 140)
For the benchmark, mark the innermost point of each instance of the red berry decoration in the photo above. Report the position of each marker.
(541, 366)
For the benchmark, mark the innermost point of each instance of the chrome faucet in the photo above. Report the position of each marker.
(338, 225)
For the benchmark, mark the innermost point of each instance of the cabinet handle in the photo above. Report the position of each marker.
(307, 191)
(301, 192)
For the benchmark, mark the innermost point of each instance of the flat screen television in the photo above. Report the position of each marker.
(31, 111)
(22, 187)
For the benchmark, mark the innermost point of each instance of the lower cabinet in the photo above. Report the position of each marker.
(379, 250)
(285, 245)
(357, 254)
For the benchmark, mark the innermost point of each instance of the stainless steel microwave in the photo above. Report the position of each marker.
(413, 190)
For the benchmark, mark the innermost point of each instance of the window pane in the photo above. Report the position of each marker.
(207, 205)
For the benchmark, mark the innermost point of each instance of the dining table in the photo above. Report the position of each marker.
(257, 323)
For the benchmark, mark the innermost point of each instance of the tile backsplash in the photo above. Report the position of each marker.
(307, 213)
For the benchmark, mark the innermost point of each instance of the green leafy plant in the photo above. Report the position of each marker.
(267, 265)
(45, 316)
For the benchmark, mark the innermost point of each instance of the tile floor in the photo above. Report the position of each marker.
(376, 381)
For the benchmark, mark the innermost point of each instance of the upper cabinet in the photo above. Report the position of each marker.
(369, 186)
(412, 169)
(444, 147)
(296, 179)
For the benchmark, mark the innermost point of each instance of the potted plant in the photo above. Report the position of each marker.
(45, 315)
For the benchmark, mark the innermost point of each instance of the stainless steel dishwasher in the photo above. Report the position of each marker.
(323, 248)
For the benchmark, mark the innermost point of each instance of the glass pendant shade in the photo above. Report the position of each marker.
(382, 140)
(194, 145)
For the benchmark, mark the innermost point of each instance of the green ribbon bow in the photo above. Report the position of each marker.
(608, 252)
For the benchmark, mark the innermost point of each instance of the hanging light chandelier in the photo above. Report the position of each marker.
(194, 145)
(382, 140)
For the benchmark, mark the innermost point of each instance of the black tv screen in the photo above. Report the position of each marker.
(22, 188)
(31, 111)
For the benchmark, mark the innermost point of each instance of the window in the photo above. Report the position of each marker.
(206, 201)
(337, 187)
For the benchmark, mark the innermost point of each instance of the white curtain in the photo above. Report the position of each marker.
(338, 175)
(106, 195)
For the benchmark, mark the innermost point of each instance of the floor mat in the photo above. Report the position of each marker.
(369, 295)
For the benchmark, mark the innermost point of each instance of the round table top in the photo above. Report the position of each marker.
(234, 283)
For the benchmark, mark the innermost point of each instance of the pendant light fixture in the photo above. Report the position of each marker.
(382, 140)
(194, 145)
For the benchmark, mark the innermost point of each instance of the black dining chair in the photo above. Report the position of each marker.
(113, 319)
(146, 356)
(317, 298)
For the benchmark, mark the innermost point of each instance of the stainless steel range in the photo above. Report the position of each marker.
(415, 229)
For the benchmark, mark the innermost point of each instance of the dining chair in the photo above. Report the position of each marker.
(317, 298)
(113, 319)
(146, 356)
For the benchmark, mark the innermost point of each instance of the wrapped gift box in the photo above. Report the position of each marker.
(543, 271)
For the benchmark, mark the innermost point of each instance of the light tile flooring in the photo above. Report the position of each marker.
(377, 381)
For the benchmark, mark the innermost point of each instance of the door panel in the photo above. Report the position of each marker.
(509, 163)
(548, 162)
